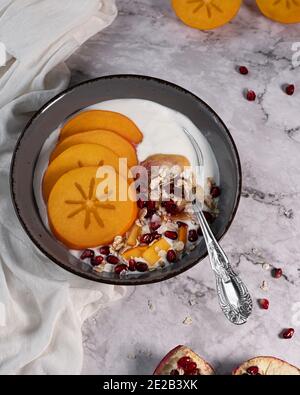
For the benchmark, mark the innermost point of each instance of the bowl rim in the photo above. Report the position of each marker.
(123, 281)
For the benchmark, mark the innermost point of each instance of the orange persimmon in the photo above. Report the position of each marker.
(78, 219)
(80, 155)
(122, 147)
(284, 11)
(206, 14)
(99, 119)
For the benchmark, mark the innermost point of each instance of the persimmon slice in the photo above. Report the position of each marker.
(99, 119)
(78, 219)
(284, 11)
(80, 155)
(122, 147)
(206, 14)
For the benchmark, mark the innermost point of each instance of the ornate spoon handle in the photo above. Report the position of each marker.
(234, 298)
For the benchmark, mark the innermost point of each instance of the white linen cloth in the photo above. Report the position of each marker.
(42, 307)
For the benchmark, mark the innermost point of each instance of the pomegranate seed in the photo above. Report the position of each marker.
(171, 256)
(184, 362)
(132, 265)
(181, 224)
(288, 333)
(104, 250)
(97, 260)
(142, 267)
(171, 235)
(251, 95)
(170, 206)
(243, 70)
(120, 268)
(215, 192)
(147, 238)
(264, 304)
(141, 203)
(277, 273)
(113, 260)
(87, 254)
(154, 226)
(174, 372)
(199, 231)
(193, 235)
(192, 366)
(156, 235)
(252, 370)
(290, 89)
(209, 218)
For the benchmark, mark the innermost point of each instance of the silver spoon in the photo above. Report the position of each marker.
(234, 298)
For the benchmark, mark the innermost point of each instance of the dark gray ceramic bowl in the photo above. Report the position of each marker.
(72, 100)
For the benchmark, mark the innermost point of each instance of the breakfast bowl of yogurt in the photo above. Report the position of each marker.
(104, 177)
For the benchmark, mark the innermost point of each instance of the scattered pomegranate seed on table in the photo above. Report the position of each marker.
(251, 95)
(264, 304)
(87, 254)
(288, 333)
(171, 256)
(171, 235)
(290, 89)
(120, 268)
(97, 260)
(277, 272)
(243, 70)
(104, 250)
(252, 370)
(113, 260)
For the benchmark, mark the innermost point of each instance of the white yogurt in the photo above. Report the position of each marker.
(163, 133)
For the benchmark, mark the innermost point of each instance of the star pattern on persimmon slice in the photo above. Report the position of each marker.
(89, 204)
(288, 3)
(210, 5)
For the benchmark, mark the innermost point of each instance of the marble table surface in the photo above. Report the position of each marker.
(131, 336)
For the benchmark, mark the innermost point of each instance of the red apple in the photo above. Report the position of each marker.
(183, 361)
(266, 366)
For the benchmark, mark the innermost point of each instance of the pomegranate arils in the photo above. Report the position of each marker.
(192, 366)
(141, 203)
(174, 372)
(253, 370)
(120, 268)
(288, 333)
(277, 273)
(215, 192)
(97, 260)
(184, 362)
(209, 218)
(170, 206)
(251, 95)
(154, 226)
(243, 70)
(171, 235)
(193, 235)
(290, 89)
(132, 265)
(147, 238)
(87, 254)
(171, 256)
(104, 250)
(142, 267)
(180, 224)
(264, 304)
(113, 260)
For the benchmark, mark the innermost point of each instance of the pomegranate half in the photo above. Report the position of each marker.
(266, 366)
(183, 361)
